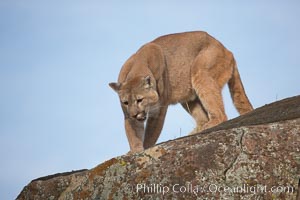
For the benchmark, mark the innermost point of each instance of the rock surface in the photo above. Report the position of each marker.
(255, 156)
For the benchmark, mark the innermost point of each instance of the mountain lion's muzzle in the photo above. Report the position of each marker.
(140, 116)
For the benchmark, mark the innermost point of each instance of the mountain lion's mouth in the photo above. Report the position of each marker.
(141, 116)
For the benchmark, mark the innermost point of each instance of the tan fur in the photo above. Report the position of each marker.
(189, 68)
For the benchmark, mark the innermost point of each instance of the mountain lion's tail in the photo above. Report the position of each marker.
(237, 92)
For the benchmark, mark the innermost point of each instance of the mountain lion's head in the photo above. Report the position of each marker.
(137, 96)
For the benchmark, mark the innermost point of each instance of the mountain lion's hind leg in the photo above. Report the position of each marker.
(207, 89)
(196, 110)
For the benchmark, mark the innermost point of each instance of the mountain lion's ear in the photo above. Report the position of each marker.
(147, 82)
(115, 86)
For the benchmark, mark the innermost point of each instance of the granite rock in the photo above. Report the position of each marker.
(254, 156)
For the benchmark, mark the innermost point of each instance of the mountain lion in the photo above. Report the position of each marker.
(189, 68)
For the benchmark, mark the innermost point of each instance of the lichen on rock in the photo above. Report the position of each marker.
(255, 156)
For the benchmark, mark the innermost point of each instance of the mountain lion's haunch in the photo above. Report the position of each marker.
(189, 68)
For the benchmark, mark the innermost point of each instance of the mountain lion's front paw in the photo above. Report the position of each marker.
(136, 150)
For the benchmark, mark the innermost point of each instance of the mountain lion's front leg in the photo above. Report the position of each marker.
(154, 126)
(134, 132)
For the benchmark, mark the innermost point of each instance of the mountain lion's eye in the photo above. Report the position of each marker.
(139, 100)
(125, 103)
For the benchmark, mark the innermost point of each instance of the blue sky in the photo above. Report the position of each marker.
(57, 112)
